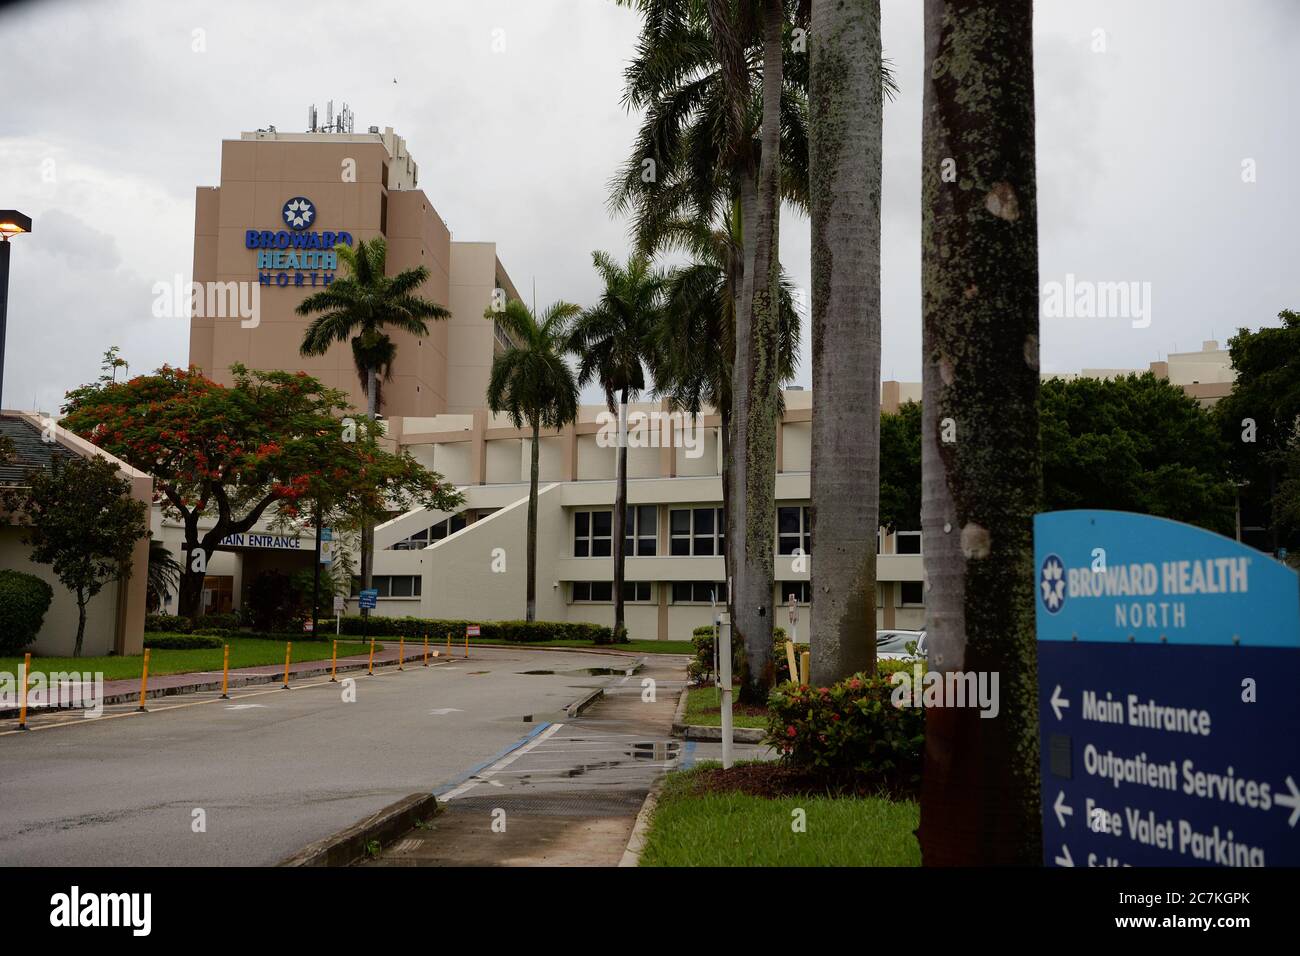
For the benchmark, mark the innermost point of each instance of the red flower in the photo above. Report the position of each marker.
(790, 731)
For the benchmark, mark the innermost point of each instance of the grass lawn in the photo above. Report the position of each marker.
(695, 828)
(244, 652)
(631, 647)
(704, 710)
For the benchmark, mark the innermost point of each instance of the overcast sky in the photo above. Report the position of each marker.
(111, 118)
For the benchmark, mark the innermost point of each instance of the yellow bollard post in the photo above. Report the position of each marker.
(334, 664)
(144, 681)
(791, 663)
(807, 668)
(426, 649)
(22, 708)
(401, 653)
(449, 643)
(467, 645)
(372, 657)
(225, 673)
(288, 650)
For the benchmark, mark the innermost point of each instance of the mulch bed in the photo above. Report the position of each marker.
(774, 780)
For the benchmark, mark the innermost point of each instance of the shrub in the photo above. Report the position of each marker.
(169, 623)
(225, 622)
(182, 642)
(24, 599)
(505, 632)
(700, 669)
(849, 728)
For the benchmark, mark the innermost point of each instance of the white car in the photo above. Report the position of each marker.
(893, 645)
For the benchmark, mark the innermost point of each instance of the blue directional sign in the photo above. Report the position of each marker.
(1168, 668)
(368, 598)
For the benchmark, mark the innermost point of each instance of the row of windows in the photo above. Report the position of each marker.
(682, 592)
(696, 532)
(392, 585)
(422, 539)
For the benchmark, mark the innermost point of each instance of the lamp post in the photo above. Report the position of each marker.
(12, 223)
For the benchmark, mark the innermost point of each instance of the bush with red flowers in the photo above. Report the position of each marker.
(849, 729)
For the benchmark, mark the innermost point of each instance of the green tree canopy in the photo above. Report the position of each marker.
(232, 453)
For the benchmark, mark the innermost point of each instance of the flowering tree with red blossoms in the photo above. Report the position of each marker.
(228, 455)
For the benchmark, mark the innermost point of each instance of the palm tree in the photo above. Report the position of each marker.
(979, 291)
(694, 342)
(164, 574)
(532, 383)
(846, 103)
(361, 306)
(613, 341)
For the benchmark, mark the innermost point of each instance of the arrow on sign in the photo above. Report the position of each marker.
(1293, 801)
(1065, 859)
(1058, 702)
(1062, 811)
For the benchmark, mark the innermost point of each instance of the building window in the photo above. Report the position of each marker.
(793, 530)
(802, 591)
(392, 585)
(641, 531)
(696, 531)
(911, 593)
(592, 536)
(601, 592)
(422, 539)
(907, 542)
(218, 594)
(699, 592)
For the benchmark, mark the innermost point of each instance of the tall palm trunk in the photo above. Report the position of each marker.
(979, 282)
(530, 613)
(757, 382)
(367, 528)
(845, 169)
(620, 515)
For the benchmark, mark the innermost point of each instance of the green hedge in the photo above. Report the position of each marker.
(168, 623)
(505, 632)
(700, 669)
(851, 727)
(24, 599)
(182, 642)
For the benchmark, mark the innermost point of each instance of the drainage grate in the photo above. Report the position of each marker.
(580, 804)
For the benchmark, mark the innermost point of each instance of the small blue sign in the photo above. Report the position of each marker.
(368, 598)
(1168, 662)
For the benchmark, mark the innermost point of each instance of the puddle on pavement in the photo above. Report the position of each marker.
(583, 671)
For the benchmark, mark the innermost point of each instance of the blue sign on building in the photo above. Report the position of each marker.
(368, 598)
(1168, 670)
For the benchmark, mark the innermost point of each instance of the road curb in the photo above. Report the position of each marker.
(740, 735)
(636, 842)
(582, 703)
(349, 845)
(679, 716)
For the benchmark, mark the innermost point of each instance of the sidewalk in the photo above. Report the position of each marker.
(168, 685)
(568, 796)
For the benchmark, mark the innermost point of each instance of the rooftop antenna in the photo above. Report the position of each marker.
(311, 118)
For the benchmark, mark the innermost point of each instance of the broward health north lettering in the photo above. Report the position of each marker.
(1168, 726)
(296, 256)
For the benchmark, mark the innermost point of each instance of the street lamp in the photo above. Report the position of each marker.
(12, 223)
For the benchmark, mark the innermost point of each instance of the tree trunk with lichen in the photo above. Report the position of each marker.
(756, 383)
(845, 106)
(980, 454)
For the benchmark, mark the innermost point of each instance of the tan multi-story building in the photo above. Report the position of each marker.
(278, 190)
(285, 200)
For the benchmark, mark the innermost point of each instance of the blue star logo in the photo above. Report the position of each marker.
(299, 213)
(1051, 584)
